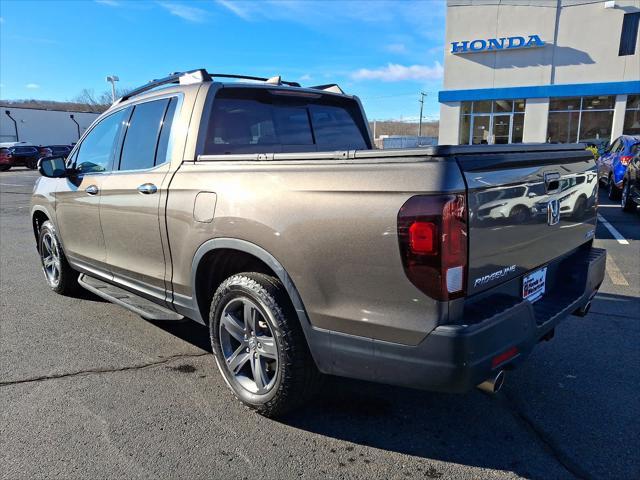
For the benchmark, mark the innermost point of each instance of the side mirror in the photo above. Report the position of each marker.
(53, 167)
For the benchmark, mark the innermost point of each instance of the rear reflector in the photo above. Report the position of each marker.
(503, 357)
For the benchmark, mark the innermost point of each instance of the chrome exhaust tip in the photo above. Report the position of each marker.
(494, 384)
(584, 310)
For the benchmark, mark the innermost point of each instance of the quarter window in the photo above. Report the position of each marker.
(97, 148)
(141, 138)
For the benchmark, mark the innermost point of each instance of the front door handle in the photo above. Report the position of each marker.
(147, 188)
(92, 190)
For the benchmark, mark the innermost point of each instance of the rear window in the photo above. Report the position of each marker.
(245, 120)
(27, 150)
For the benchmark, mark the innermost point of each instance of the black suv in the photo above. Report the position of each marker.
(25, 155)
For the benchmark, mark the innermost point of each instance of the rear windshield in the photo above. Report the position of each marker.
(24, 149)
(245, 120)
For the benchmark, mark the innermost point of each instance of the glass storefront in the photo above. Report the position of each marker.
(580, 119)
(632, 116)
(491, 122)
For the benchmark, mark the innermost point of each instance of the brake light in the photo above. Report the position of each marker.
(625, 159)
(422, 238)
(432, 234)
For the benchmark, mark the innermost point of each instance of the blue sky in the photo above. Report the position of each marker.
(383, 51)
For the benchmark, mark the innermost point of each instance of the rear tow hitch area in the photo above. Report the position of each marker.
(493, 384)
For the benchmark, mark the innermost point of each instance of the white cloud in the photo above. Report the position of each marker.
(396, 48)
(109, 3)
(236, 8)
(32, 86)
(186, 12)
(394, 72)
(305, 78)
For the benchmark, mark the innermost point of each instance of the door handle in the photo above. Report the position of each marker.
(147, 188)
(92, 190)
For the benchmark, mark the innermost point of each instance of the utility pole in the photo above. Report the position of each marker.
(113, 79)
(422, 95)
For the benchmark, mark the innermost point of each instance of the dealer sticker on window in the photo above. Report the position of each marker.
(533, 285)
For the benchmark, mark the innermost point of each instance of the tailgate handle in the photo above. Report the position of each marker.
(551, 182)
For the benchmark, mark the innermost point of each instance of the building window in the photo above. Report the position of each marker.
(629, 35)
(580, 119)
(632, 116)
(491, 122)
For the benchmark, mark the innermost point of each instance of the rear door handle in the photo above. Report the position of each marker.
(147, 188)
(92, 190)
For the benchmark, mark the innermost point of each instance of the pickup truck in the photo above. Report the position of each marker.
(260, 208)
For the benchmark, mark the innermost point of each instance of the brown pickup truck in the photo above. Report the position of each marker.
(261, 209)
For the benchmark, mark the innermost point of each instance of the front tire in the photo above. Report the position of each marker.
(31, 164)
(259, 346)
(61, 278)
(627, 204)
(5, 168)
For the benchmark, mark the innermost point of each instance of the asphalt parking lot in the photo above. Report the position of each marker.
(90, 390)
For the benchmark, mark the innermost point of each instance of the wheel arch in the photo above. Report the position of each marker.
(228, 256)
(38, 216)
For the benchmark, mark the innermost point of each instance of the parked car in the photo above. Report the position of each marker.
(44, 152)
(26, 155)
(60, 150)
(269, 218)
(612, 165)
(630, 197)
(6, 159)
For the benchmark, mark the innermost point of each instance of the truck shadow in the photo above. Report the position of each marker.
(560, 414)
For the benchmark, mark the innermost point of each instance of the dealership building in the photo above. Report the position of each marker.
(540, 71)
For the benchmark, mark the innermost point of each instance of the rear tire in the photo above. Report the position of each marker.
(259, 346)
(5, 168)
(31, 163)
(61, 278)
(627, 204)
(613, 192)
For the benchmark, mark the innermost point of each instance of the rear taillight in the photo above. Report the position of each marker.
(625, 159)
(432, 232)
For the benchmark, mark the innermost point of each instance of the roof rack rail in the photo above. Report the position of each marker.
(275, 80)
(329, 87)
(201, 75)
(191, 76)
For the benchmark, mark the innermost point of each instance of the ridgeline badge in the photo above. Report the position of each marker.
(493, 44)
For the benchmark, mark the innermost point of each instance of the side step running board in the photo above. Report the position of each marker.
(137, 304)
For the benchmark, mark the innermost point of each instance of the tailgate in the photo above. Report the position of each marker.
(526, 208)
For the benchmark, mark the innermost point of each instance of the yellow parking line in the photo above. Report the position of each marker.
(615, 274)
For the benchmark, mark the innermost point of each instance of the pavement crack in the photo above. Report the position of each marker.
(545, 439)
(99, 371)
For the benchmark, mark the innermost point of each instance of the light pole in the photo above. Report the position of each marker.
(113, 79)
(422, 95)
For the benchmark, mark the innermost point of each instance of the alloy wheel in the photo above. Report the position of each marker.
(50, 255)
(248, 345)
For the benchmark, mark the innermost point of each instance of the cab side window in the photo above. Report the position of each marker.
(147, 136)
(96, 151)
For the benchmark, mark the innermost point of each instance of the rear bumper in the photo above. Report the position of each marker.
(456, 358)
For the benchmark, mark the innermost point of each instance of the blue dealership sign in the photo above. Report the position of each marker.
(495, 44)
